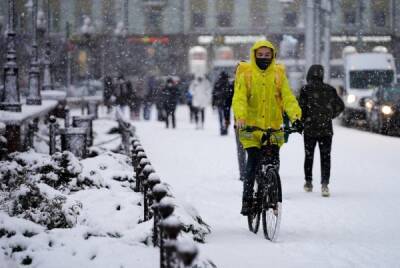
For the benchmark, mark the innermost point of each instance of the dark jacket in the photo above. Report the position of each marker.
(319, 103)
(170, 96)
(131, 95)
(108, 89)
(223, 92)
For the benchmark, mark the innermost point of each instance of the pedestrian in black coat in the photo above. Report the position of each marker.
(222, 99)
(170, 96)
(108, 92)
(320, 104)
(121, 92)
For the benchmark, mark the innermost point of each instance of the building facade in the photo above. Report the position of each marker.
(136, 36)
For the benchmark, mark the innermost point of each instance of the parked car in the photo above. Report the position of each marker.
(383, 110)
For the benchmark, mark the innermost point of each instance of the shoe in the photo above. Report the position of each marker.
(246, 208)
(325, 190)
(308, 187)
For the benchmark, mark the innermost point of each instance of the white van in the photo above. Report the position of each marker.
(362, 73)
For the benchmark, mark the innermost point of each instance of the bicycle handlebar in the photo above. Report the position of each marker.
(289, 130)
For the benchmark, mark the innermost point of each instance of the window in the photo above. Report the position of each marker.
(369, 79)
(258, 10)
(22, 18)
(198, 9)
(55, 15)
(290, 13)
(392, 94)
(108, 15)
(380, 9)
(224, 13)
(153, 20)
(349, 8)
(82, 8)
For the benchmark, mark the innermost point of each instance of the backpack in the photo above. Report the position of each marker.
(245, 67)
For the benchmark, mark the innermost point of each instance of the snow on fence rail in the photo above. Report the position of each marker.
(166, 226)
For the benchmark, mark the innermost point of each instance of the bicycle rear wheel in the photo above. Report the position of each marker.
(272, 205)
(254, 217)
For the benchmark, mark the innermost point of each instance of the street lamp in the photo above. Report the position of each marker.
(119, 32)
(1, 23)
(9, 99)
(34, 97)
(87, 29)
(47, 83)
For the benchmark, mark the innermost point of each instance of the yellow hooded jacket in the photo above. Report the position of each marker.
(257, 100)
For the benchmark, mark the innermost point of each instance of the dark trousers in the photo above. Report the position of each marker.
(224, 115)
(325, 145)
(146, 110)
(191, 111)
(170, 113)
(241, 154)
(198, 111)
(253, 159)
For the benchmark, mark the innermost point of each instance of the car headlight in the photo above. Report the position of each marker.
(386, 109)
(369, 104)
(351, 98)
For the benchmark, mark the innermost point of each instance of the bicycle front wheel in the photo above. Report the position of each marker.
(272, 205)
(254, 217)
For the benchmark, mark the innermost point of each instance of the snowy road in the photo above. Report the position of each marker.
(356, 227)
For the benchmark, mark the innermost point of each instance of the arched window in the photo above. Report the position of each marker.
(291, 13)
(258, 13)
(224, 13)
(349, 9)
(380, 12)
(198, 9)
(82, 8)
(108, 14)
(55, 15)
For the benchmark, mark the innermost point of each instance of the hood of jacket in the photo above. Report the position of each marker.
(257, 45)
(315, 73)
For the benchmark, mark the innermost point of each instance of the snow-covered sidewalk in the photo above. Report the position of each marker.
(356, 227)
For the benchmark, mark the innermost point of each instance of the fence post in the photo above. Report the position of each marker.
(139, 174)
(32, 128)
(159, 191)
(147, 170)
(136, 166)
(171, 227)
(53, 129)
(187, 252)
(3, 141)
(85, 121)
(166, 209)
(66, 117)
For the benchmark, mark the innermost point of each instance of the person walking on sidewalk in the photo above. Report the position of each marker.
(200, 88)
(261, 95)
(320, 104)
(222, 99)
(170, 99)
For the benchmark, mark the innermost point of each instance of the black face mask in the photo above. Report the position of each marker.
(263, 63)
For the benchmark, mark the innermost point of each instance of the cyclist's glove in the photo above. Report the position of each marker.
(298, 125)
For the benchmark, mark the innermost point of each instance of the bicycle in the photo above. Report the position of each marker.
(267, 197)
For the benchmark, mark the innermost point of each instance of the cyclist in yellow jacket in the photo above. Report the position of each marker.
(262, 94)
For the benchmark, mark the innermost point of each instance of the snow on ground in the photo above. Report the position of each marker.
(107, 231)
(356, 227)
(106, 234)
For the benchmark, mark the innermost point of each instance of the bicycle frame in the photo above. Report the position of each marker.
(268, 197)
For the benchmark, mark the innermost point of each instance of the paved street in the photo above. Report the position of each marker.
(356, 226)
